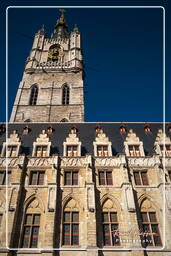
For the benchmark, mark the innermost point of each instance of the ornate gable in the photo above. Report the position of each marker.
(12, 141)
(162, 144)
(137, 146)
(102, 140)
(73, 141)
(42, 140)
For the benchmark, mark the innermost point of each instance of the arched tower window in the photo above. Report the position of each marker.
(65, 95)
(34, 94)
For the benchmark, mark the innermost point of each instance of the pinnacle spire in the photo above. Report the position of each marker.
(61, 28)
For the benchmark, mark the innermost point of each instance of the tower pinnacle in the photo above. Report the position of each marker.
(61, 28)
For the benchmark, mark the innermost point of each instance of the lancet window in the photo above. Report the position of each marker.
(65, 95)
(31, 230)
(33, 95)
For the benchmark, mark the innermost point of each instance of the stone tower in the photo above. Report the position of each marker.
(51, 89)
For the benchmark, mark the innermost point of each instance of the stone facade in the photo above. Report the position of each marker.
(117, 172)
(88, 197)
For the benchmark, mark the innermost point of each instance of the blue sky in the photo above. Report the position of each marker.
(122, 50)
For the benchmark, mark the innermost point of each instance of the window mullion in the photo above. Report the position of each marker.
(140, 174)
(70, 228)
(71, 177)
(4, 178)
(30, 235)
(37, 177)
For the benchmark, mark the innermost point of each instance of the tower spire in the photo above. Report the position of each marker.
(61, 27)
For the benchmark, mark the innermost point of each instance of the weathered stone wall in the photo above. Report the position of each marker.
(88, 197)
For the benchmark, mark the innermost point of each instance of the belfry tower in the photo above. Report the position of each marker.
(51, 89)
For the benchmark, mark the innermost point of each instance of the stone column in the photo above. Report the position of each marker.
(51, 204)
(91, 210)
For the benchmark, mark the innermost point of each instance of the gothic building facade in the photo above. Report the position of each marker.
(68, 187)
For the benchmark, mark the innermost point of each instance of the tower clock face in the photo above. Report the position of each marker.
(53, 54)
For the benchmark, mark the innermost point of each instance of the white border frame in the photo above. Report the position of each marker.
(164, 111)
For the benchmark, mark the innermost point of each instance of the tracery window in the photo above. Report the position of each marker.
(31, 230)
(150, 228)
(110, 228)
(65, 95)
(140, 177)
(11, 151)
(71, 228)
(105, 177)
(33, 95)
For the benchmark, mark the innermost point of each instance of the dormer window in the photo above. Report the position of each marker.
(134, 150)
(72, 145)
(72, 150)
(41, 147)
(41, 151)
(168, 150)
(102, 145)
(133, 145)
(11, 151)
(12, 146)
(102, 150)
(165, 150)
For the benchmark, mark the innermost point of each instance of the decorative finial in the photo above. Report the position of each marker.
(62, 11)
(75, 28)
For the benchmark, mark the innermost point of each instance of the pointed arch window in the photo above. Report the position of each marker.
(31, 230)
(110, 224)
(150, 228)
(71, 228)
(150, 235)
(70, 234)
(110, 229)
(34, 94)
(65, 95)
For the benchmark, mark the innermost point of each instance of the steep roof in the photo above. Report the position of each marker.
(86, 134)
